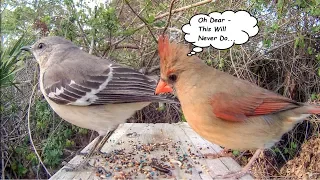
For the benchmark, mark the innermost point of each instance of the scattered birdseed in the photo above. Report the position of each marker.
(138, 161)
(175, 161)
(108, 174)
(160, 168)
(132, 135)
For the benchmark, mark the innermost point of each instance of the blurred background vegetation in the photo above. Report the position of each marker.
(283, 57)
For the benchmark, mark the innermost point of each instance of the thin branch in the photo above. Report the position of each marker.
(231, 58)
(133, 20)
(84, 37)
(91, 45)
(170, 13)
(121, 9)
(164, 15)
(94, 31)
(269, 51)
(183, 8)
(112, 45)
(152, 57)
(154, 68)
(127, 46)
(143, 20)
(150, 70)
(29, 130)
(2, 162)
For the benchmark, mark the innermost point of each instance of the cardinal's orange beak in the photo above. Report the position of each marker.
(163, 88)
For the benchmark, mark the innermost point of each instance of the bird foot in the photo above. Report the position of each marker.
(96, 153)
(216, 155)
(82, 153)
(222, 153)
(233, 175)
(245, 170)
(84, 164)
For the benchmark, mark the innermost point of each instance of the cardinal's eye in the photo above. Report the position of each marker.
(172, 78)
(41, 45)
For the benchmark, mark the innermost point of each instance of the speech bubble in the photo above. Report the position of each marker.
(220, 30)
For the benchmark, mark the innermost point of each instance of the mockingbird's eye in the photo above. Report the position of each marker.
(41, 45)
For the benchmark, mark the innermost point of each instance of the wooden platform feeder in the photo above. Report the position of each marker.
(154, 151)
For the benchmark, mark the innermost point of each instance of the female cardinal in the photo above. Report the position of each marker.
(223, 109)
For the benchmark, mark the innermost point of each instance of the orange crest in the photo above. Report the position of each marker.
(163, 48)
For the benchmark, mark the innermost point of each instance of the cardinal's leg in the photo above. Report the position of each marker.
(245, 169)
(222, 153)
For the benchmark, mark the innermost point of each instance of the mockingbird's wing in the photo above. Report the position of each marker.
(83, 79)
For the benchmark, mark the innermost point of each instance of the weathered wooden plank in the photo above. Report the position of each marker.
(86, 174)
(133, 146)
(201, 148)
(219, 166)
(62, 174)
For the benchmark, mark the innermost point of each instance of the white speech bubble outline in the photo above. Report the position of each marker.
(197, 49)
(244, 35)
(194, 50)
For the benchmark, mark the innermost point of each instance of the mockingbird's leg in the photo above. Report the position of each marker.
(95, 150)
(84, 163)
(99, 145)
(102, 142)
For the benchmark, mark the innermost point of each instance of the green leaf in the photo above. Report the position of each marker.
(22, 170)
(267, 43)
(280, 6)
(128, 32)
(83, 131)
(10, 62)
(315, 28)
(14, 166)
(183, 118)
(299, 41)
(318, 57)
(315, 11)
(310, 50)
(33, 158)
(161, 107)
(274, 27)
(236, 153)
(298, 2)
(159, 23)
(221, 63)
(209, 62)
(150, 19)
(69, 143)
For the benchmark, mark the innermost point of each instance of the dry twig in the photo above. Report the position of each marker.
(166, 14)
(29, 130)
(233, 65)
(170, 13)
(143, 20)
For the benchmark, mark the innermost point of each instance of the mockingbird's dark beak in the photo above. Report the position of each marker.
(26, 48)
